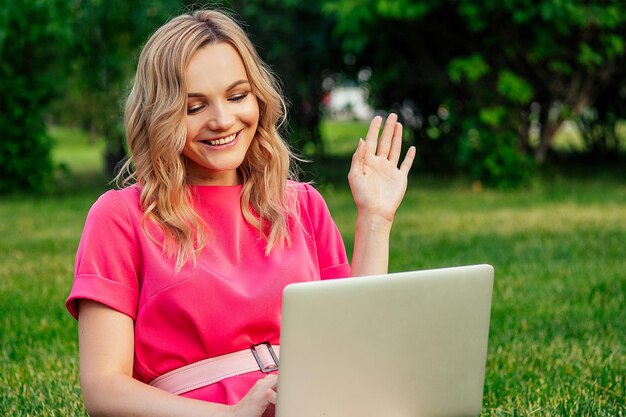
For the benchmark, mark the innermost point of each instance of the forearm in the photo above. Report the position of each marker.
(106, 346)
(371, 245)
(120, 395)
(378, 186)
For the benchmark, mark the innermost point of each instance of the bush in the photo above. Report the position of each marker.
(492, 156)
(32, 40)
(25, 160)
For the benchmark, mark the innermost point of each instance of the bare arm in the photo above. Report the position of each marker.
(106, 345)
(378, 186)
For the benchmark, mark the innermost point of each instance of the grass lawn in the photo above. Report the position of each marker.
(557, 340)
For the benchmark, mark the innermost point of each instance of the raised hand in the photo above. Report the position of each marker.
(377, 183)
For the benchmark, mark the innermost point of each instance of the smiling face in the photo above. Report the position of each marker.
(222, 115)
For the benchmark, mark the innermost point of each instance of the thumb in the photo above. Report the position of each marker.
(358, 159)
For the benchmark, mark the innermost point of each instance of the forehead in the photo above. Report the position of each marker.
(214, 67)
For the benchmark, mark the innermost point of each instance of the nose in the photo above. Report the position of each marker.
(219, 118)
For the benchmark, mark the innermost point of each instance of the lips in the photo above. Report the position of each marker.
(221, 141)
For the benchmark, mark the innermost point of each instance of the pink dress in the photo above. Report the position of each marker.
(229, 301)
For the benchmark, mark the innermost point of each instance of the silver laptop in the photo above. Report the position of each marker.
(410, 344)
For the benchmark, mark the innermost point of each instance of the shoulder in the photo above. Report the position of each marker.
(311, 206)
(116, 204)
(306, 194)
(111, 199)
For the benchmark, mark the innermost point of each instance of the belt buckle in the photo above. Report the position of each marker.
(257, 357)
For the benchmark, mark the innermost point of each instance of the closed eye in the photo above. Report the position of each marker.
(195, 109)
(233, 99)
(237, 98)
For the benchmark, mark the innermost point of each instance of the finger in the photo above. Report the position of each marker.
(270, 396)
(408, 160)
(396, 145)
(271, 380)
(272, 383)
(371, 139)
(384, 143)
(358, 159)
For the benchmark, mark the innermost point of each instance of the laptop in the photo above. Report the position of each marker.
(409, 344)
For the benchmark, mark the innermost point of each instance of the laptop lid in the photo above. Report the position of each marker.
(396, 345)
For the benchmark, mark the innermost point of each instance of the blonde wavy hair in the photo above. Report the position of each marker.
(155, 132)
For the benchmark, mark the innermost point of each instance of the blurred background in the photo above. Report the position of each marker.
(516, 108)
(495, 91)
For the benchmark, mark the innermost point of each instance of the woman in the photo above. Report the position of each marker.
(189, 263)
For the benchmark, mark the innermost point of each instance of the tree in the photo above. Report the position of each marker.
(295, 38)
(33, 36)
(487, 62)
(599, 124)
(109, 35)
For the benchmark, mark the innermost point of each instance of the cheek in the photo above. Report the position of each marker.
(253, 112)
(193, 127)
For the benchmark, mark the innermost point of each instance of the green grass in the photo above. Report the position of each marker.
(79, 158)
(559, 314)
(75, 150)
(557, 337)
(341, 138)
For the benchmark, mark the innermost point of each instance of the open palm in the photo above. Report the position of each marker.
(377, 183)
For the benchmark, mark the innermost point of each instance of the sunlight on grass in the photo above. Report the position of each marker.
(568, 138)
(341, 138)
(77, 151)
(508, 221)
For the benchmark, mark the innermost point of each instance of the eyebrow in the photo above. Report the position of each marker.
(230, 87)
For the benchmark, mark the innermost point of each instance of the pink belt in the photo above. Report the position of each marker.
(262, 357)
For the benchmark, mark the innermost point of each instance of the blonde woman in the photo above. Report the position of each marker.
(183, 271)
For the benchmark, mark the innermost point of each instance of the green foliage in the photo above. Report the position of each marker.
(546, 60)
(543, 61)
(32, 38)
(110, 34)
(472, 68)
(599, 126)
(25, 162)
(493, 158)
(514, 88)
(295, 38)
(493, 117)
(108, 37)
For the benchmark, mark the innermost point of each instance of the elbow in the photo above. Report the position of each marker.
(97, 397)
(94, 404)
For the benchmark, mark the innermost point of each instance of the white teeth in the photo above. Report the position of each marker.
(223, 141)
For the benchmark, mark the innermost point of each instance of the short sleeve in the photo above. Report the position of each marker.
(331, 251)
(107, 258)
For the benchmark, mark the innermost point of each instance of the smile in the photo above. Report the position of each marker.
(221, 141)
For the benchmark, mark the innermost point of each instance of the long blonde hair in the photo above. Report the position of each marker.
(155, 132)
